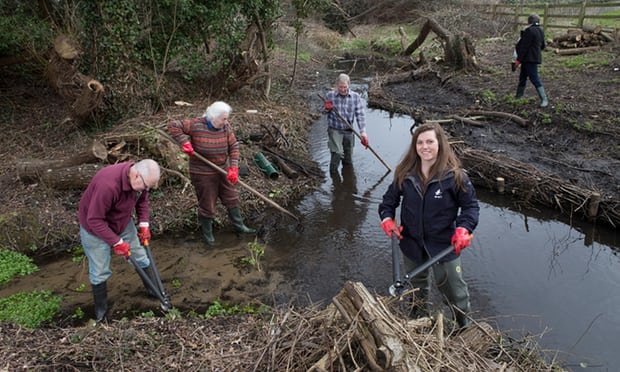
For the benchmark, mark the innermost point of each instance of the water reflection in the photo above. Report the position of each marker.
(530, 271)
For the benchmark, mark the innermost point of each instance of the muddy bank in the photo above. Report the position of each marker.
(564, 156)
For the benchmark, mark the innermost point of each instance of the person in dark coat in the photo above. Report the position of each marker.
(529, 55)
(439, 208)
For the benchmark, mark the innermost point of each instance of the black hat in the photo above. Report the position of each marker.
(533, 18)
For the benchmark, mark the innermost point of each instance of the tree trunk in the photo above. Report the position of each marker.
(32, 171)
(377, 329)
(71, 178)
(459, 50)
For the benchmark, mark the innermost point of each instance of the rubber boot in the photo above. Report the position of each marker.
(520, 91)
(334, 163)
(207, 229)
(240, 227)
(348, 156)
(461, 318)
(544, 102)
(149, 272)
(100, 296)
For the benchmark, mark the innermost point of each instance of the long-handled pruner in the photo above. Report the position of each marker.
(163, 298)
(158, 281)
(397, 288)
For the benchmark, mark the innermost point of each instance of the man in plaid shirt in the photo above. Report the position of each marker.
(350, 106)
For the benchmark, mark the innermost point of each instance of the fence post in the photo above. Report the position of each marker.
(545, 15)
(582, 14)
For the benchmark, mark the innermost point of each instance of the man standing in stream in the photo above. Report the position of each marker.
(345, 103)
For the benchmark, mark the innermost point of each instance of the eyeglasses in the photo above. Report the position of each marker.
(146, 187)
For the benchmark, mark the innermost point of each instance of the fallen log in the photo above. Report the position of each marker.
(31, 171)
(71, 178)
(288, 171)
(517, 119)
(575, 51)
(376, 329)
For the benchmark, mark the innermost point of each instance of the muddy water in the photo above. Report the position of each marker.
(530, 273)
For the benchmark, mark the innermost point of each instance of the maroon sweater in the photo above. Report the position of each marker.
(216, 145)
(108, 202)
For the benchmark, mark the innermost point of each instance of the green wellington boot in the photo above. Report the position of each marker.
(240, 227)
(207, 229)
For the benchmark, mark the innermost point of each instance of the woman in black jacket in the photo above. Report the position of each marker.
(439, 208)
(529, 55)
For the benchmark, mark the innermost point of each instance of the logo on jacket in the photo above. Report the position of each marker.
(438, 194)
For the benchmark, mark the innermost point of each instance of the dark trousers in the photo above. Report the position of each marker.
(529, 70)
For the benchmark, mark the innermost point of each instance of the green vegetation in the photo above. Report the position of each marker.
(29, 309)
(488, 97)
(257, 251)
(610, 23)
(589, 60)
(221, 309)
(77, 254)
(13, 263)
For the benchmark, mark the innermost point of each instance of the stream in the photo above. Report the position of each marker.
(530, 273)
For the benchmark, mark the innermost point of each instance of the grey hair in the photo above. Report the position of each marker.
(343, 78)
(216, 109)
(149, 169)
(533, 18)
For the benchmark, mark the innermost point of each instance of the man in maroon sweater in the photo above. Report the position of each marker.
(105, 216)
(212, 137)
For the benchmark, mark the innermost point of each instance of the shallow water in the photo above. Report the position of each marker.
(530, 273)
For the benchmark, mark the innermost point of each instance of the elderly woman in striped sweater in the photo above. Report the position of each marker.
(212, 137)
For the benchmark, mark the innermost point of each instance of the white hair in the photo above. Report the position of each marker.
(216, 109)
(149, 169)
(343, 78)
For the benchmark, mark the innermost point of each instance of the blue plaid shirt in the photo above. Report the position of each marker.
(350, 107)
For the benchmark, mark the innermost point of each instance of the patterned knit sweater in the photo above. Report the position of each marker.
(216, 145)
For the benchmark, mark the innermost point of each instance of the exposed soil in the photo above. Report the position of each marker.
(575, 138)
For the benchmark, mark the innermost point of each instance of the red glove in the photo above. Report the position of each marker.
(328, 105)
(389, 226)
(233, 175)
(364, 139)
(461, 239)
(122, 249)
(188, 148)
(144, 234)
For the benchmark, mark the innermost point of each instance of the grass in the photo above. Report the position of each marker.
(13, 263)
(29, 309)
(610, 23)
(384, 39)
(588, 60)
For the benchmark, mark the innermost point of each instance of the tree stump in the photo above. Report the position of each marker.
(459, 49)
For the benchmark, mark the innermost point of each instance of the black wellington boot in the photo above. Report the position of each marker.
(207, 229)
(237, 220)
(520, 91)
(100, 296)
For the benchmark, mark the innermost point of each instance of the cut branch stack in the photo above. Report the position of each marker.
(577, 41)
(534, 186)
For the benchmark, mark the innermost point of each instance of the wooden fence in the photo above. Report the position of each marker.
(574, 15)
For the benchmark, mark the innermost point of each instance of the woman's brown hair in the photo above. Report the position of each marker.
(446, 159)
